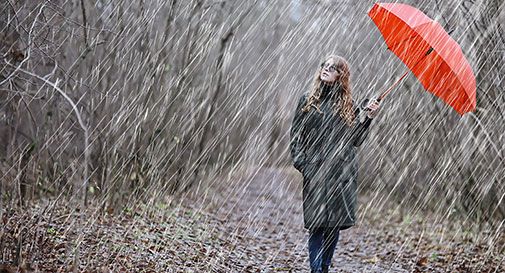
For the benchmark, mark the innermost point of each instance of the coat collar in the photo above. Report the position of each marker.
(328, 91)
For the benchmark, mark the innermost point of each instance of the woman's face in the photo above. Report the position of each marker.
(329, 71)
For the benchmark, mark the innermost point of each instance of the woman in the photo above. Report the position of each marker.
(325, 132)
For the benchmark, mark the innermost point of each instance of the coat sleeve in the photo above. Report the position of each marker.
(297, 135)
(362, 128)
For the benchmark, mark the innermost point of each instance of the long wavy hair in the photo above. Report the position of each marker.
(342, 100)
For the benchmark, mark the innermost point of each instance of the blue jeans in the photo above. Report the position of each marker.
(322, 243)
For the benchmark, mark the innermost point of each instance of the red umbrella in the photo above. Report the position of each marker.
(430, 53)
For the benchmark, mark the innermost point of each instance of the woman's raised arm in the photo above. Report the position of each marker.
(362, 128)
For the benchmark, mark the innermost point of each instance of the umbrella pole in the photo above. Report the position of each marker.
(385, 93)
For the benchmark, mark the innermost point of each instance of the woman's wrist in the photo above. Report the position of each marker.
(371, 114)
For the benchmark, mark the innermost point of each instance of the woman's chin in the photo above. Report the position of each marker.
(326, 81)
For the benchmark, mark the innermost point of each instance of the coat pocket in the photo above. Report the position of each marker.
(347, 154)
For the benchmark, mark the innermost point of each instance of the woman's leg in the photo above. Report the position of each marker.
(316, 238)
(330, 242)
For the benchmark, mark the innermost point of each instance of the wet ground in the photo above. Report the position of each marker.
(250, 222)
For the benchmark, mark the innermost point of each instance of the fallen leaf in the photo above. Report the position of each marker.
(423, 261)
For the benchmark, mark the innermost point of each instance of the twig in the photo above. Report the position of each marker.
(84, 30)
(488, 137)
(81, 123)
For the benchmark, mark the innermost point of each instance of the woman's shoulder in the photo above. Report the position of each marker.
(355, 106)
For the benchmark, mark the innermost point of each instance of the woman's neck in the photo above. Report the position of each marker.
(327, 90)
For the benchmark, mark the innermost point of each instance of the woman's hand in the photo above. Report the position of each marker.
(299, 162)
(372, 109)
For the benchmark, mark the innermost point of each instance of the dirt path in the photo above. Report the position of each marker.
(264, 216)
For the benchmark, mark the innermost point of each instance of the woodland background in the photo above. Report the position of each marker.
(118, 102)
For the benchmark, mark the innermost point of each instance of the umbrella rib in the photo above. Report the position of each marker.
(401, 42)
(415, 33)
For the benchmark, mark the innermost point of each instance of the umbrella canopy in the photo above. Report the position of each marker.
(429, 52)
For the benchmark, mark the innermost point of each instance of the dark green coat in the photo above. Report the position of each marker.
(323, 149)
